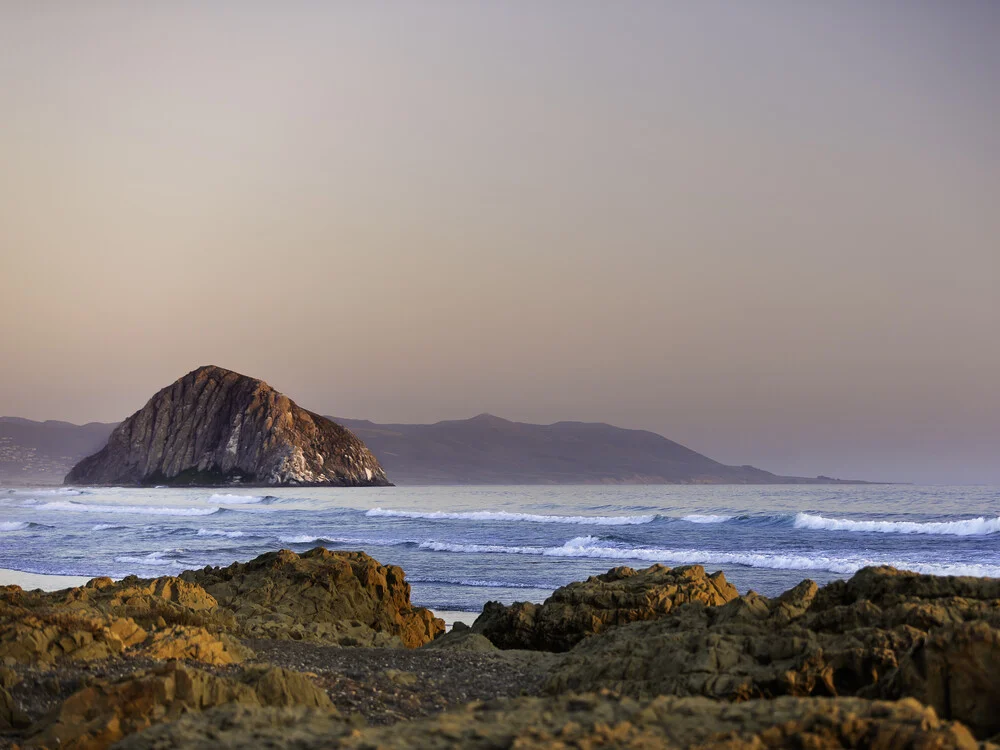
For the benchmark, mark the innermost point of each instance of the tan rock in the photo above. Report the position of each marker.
(881, 633)
(319, 596)
(102, 713)
(618, 597)
(582, 721)
(195, 644)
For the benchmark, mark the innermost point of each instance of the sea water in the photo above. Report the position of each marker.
(463, 546)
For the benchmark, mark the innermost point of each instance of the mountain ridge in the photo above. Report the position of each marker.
(379, 438)
(480, 450)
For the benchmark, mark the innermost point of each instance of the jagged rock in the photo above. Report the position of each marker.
(954, 670)
(195, 644)
(320, 596)
(215, 426)
(848, 638)
(104, 712)
(584, 721)
(620, 596)
(35, 630)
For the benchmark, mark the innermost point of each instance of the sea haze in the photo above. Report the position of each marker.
(463, 546)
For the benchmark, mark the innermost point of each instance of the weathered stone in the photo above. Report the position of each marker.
(581, 721)
(214, 426)
(580, 609)
(195, 644)
(103, 713)
(320, 596)
(955, 670)
(881, 633)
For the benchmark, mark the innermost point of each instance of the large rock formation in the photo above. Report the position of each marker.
(885, 633)
(583, 608)
(214, 426)
(334, 598)
(345, 598)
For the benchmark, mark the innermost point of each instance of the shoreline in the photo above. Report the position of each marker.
(43, 581)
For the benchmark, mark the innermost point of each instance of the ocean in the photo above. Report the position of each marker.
(463, 546)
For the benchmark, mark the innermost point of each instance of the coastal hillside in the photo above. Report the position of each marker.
(481, 450)
(42, 452)
(490, 450)
(214, 426)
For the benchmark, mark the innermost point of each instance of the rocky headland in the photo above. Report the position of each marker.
(214, 426)
(324, 649)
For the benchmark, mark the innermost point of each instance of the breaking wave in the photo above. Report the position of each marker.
(221, 532)
(14, 525)
(594, 547)
(153, 559)
(706, 519)
(970, 527)
(239, 499)
(500, 515)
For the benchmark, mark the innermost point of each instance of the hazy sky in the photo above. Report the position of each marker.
(769, 230)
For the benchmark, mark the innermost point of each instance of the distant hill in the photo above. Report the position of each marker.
(481, 450)
(42, 452)
(490, 450)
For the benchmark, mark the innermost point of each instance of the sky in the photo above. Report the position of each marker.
(768, 230)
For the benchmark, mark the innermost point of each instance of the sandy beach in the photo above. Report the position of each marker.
(31, 581)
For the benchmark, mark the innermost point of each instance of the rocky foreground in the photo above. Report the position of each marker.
(324, 650)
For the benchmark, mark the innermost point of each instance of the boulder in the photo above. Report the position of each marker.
(104, 712)
(584, 608)
(320, 596)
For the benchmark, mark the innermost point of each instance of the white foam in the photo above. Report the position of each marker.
(220, 532)
(303, 539)
(500, 515)
(153, 559)
(106, 526)
(13, 525)
(237, 499)
(592, 547)
(706, 519)
(970, 527)
(149, 510)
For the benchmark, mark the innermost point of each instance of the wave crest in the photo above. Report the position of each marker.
(594, 547)
(501, 515)
(969, 527)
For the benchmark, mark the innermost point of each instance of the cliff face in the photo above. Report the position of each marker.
(215, 426)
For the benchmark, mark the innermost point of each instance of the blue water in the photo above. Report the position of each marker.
(463, 546)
